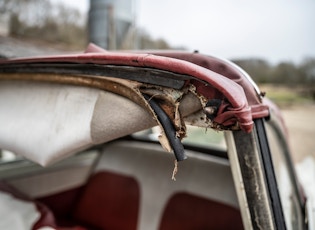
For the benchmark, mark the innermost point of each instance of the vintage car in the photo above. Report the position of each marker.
(142, 140)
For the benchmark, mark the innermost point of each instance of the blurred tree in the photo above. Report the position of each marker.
(145, 41)
(41, 20)
(283, 73)
(287, 73)
(260, 70)
(29, 12)
(308, 68)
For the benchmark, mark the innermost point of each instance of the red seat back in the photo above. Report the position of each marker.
(188, 212)
(109, 201)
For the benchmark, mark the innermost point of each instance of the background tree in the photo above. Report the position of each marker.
(41, 20)
(259, 69)
(286, 73)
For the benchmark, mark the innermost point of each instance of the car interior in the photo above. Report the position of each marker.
(127, 184)
(117, 180)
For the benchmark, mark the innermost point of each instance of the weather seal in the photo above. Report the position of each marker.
(142, 74)
(270, 174)
(169, 129)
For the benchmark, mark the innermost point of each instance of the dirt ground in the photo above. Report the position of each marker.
(300, 121)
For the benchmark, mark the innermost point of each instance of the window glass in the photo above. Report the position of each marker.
(6, 156)
(288, 198)
(196, 136)
(203, 137)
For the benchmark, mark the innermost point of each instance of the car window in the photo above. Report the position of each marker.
(196, 136)
(204, 137)
(7, 156)
(289, 199)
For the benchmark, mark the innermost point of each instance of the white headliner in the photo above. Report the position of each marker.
(48, 122)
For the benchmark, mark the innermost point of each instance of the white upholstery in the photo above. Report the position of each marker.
(16, 214)
(48, 122)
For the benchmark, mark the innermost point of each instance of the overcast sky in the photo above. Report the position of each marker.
(275, 30)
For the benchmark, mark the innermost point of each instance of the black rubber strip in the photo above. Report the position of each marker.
(270, 175)
(141, 74)
(169, 129)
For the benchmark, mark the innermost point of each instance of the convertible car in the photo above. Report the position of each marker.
(142, 140)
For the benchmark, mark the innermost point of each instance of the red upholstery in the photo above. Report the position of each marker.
(189, 212)
(62, 205)
(47, 218)
(109, 201)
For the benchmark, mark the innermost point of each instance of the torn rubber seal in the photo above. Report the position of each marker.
(169, 129)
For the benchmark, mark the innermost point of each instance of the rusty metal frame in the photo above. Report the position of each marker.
(253, 177)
